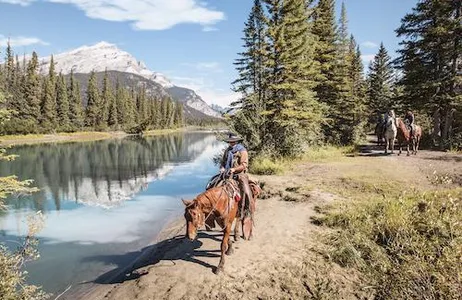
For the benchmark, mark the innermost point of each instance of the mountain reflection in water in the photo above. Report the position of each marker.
(103, 198)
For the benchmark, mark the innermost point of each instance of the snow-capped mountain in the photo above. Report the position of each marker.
(105, 56)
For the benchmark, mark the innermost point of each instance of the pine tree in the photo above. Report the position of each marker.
(292, 106)
(253, 79)
(141, 105)
(76, 115)
(9, 68)
(93, 110)
(62, 102)
(112, 120)
(106, 99)
(381, 81)
(179, 115)
(121, 103)
(48, 106)
(429, 58)
(48, 120)
(358, 89)
(155, 113)
(32, 92)
(164, 113)
(325, 30)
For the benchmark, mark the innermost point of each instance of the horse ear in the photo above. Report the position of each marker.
(187, 202)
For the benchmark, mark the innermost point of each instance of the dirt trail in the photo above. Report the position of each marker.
(280, 262)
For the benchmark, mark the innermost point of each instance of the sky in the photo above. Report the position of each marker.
(193, 42)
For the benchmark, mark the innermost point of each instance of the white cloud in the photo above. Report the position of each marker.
(369, 44)
(205, 66)
(207, 90)
(209, 29)
(20, 2)
(144, 14)
(367, 58)
(18, 41)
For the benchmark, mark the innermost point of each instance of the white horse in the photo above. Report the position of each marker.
(390, 131)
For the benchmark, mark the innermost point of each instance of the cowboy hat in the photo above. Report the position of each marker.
(233, 138)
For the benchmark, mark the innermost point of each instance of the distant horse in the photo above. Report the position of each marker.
(404, 137)
(379, 133)
(218, 204)
(390, 133)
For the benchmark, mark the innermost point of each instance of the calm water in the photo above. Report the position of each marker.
(103, 201)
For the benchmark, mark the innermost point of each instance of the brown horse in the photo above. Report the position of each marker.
(404, 137)
(220, 204)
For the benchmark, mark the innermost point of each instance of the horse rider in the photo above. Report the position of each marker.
(388, 114)
(235, 160)
(409, 119)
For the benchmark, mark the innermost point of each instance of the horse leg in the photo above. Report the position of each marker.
(237, 226)
(224, 247)
(230, 249)
(407, 145)
(386, 145)
(392, 145)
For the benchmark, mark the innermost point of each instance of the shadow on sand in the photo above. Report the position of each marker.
(172, 249)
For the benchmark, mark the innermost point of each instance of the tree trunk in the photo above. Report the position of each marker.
(436, 133)
(448, 127)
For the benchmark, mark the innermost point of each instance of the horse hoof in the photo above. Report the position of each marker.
(237, 238)
(218, 270)
(230, 251)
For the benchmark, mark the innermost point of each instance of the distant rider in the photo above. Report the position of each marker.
(409, 119)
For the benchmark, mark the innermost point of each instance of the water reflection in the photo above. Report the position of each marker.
(103, 198)
(103, 173)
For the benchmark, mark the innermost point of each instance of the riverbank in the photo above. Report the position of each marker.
(84, 136)
(292, 255)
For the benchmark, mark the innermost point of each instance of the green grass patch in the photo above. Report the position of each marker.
(409, 246)
(264, 165)
(327, 153)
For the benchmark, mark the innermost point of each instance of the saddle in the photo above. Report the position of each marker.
(246, 209)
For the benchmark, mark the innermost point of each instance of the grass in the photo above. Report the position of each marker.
(408, 243)
(267, 165)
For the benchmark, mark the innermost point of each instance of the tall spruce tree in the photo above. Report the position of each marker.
(155, 113)
(48, 105)
(106, 99)
(252, 80)
(93, 110)
(325, 30)
(62, 103)
(9, 68)
(429, 58)
(121, 103)
(32, 92)
(76, 114)
(179, 115)
(381, 82)
(292, 107)
(358, 89)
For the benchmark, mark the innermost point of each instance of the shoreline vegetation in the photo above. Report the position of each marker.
(86, 136)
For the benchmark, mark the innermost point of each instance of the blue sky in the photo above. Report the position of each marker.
(193, 42)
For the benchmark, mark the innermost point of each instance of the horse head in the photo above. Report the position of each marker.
(194, 218)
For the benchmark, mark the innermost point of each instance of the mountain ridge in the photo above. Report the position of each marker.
(104, 56)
